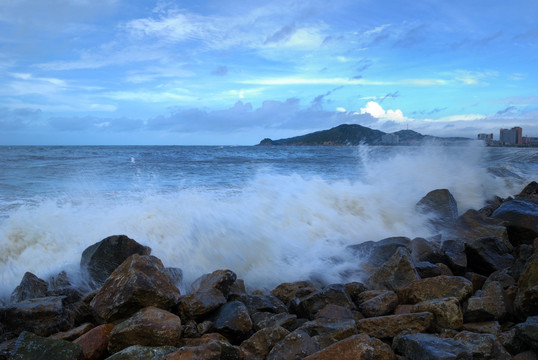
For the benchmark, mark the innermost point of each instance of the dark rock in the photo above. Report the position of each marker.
(138, 352)
(335, 312)
(477, 280)
(237, 289)
(94, 343)
(60, 285)
(430, 347)
(397, 272)
(74, 333)
(486, 255)
(208, 351)
(521, 253)
(521, 220)
(527, 295)
(261, 343)
(176, 274)
(101, 259)
(424, 250)
(391, 325)
(446, 311)
(376, 253)
(328, 331)
(287, 292)
(528, 332)
(296, 345)
(487, 304)
(483, 346)
(148, 327)
(31, 346)
(427, 269)
(221, 280)
(198, 304)
(455, 255)
(491, 205)
(473, 225)
(441, 208)
(488, 327)
(435, 288)
(353, 289)
(357, 347)
(233, 321)
(382, 304)
(511, 341)
(31, 287)
(332, 294)
(268, 303)
(42, 316)
(285, 320)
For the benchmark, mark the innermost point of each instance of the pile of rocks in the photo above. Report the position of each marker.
(471, 293)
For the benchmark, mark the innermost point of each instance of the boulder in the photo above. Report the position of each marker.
(74, 333)
(427, 269)
(101, 259)
(376, 253)
(198, 304)
(42, 316)
(266, 303)
(483, 346)
(521, 220)
(31, 346)
(335, 312)
(397, 272)
(233, 321)
(446, 311)
(285, 320)
(424, 250)
(221, 280)
(31, 287)
(435, 288)
(382, 304)
(473, 225)
(430, 347)
(391, 325)
(148, 327)
(138, 352)
(354, 289)
(456, 257)
(140, 281)
(486, 327)
(296, 345)
(356, 347)
(287, 292)
(261, 343)
(94, 343)
(60, 285)
(441, 208)
(487, 304)
(477, 280)
(528, 332)
(331, 294)
(486, 255)
(527, 294)
(327, 331)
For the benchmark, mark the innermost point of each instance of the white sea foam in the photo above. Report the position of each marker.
(276, 228)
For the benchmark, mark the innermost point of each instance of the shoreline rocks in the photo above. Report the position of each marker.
(469, 293)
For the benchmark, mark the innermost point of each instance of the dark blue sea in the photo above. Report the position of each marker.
(271, 214)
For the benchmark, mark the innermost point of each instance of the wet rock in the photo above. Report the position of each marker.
(528, 332)
(427, 269)
(522, 254)
(491, 205)
(527, 293)
(74, 333)
(521, 220)
(285, 320)
(356, 347)
(511, 341)
(31, 346)
(140, 281)
(296, 345)
(335, 312)
(354, 289)
(148, 327)
(60, 285)
(397, 272)
(486, 255)
(267, 303)
(221, 280)
(233, 321)
(31, 287)
(198, 304)
(473, 225)
(424, 250)
(101, 259)
(483, 346)
(391, 325)
(435, 288)
(441, 207)
(332, 294)
(447, 312)
(376, 253)
(138, 352)
(487, 304)
(488, 327)
(455, 255)
(94, 342)
(477, 280)
(287, 292)
(328, 331)
(430, 347)
(379, 305)
(261, 343)
(42, 316)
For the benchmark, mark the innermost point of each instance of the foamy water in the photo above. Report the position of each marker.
(271, 215)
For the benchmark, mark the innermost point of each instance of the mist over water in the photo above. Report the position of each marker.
(270, 214)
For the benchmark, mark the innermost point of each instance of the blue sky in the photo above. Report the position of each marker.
(233, 72)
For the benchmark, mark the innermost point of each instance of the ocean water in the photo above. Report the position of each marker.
(271, 214)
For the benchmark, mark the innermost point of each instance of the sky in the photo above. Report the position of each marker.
(232, 72)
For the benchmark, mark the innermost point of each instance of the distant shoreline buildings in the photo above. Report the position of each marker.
(509, 137)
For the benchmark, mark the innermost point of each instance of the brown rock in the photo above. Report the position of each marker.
(527, 294)
(447, 312)
(289, 291)
(74, 333)
(148, 327)
(266, 303)
(487, 327)
(397, 272)
(285, 320)
(335, 312)
(94, 343)
(391, 325)
(140, 281)
(197, 304)
(219, 279)
(332, 294)
(296, 345)
(379, 305)
(435, 288)
(424, 250)
(488, 304)
(356, 347)
(261, 343)
(477, 280)
(354, 289)
(483, 346)
(473, 225)
(31, 287)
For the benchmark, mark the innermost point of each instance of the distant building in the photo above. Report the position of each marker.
(511, 137)
(488, 138)
(390, 139)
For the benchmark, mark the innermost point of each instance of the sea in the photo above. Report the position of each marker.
(271, 214)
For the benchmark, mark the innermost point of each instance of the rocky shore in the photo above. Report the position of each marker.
(470, 293)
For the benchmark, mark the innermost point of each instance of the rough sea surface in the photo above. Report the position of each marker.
(271, 214)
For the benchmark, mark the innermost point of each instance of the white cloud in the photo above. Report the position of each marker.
(378, 112)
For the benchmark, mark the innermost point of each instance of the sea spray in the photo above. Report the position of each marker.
(270, 227)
